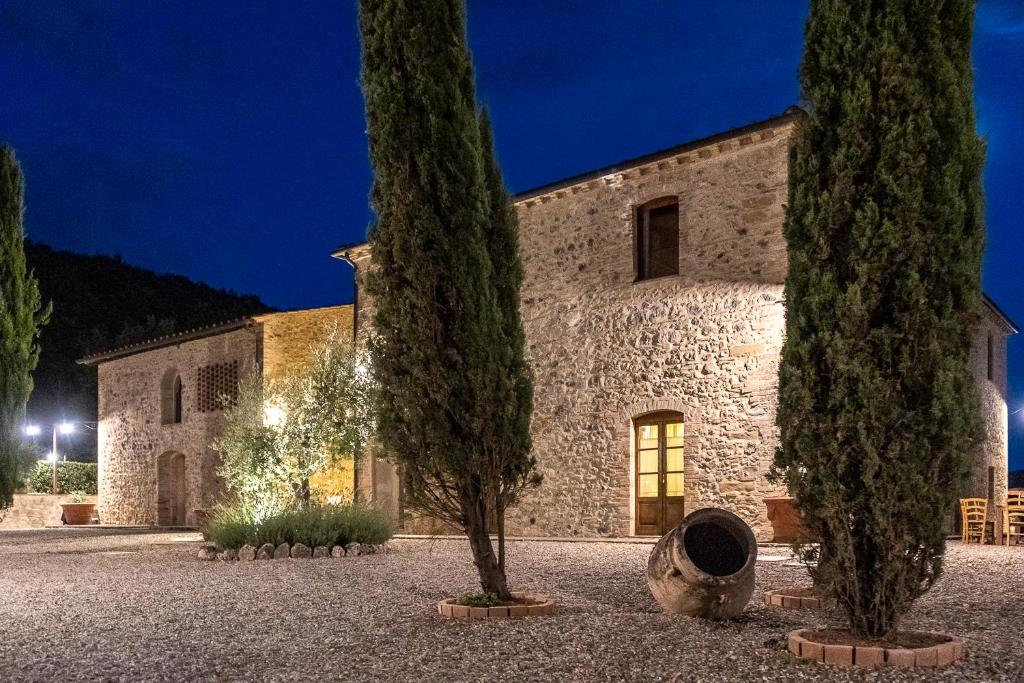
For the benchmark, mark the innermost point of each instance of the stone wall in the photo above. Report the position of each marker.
(132, 436)
(289, 338)
(36, 510)
(992, 396)
(606, 349)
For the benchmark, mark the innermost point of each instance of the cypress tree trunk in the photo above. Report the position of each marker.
(454, 394)
(21, 316)
(877, 407)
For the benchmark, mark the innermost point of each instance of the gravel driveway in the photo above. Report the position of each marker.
(103, 604)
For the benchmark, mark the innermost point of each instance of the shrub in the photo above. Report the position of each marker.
(71, 476)
(233, 526)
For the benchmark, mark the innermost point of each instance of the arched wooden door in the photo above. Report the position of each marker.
(658, 464)
(170, 489)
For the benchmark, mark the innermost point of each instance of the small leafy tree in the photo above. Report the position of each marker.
(21, 317)
(455, 394)
(877, 407)
(278, 435)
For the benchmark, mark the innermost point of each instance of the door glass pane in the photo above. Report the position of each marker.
(674, 460)
(648, 461)
(648, 486)
(649, 436)
(674, 484)
(674, 434)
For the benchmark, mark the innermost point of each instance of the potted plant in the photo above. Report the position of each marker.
(78, 511)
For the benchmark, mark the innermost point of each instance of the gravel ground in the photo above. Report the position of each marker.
(108, 605)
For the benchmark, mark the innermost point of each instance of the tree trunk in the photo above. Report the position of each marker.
(492, 577)
(500, 518)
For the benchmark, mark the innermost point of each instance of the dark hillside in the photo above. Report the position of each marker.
(100, 302)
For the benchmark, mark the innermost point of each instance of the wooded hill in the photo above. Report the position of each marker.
(100, 302)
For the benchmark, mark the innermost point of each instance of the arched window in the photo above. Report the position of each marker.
(170, 398)
(657, 238)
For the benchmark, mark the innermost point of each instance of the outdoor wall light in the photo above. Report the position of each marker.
(33, 430)
(66, 428)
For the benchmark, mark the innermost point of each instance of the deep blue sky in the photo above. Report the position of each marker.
(225, 140)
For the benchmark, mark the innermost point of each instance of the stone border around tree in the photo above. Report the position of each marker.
(284, 551)
(544, 607)
(785, 598)
(854, 655)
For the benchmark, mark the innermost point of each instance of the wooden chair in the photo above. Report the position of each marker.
(1013, 518)
(974, 512)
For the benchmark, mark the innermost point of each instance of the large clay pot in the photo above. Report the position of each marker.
(705, 566)
(78, 513)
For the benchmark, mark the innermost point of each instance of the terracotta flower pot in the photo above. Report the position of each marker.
(787, 525)
(78, 513)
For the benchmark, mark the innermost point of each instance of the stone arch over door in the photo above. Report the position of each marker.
(171, 489)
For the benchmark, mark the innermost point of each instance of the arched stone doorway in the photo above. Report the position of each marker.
(171, 495)
(658, 466)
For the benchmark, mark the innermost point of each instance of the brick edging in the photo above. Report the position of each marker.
(448, 608)
(855, 655)
(784, 598)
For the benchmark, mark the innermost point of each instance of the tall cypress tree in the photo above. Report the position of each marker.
(21, 316)
(877, 407)
(454, 396)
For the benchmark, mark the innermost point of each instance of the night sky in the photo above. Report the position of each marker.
(226, 141)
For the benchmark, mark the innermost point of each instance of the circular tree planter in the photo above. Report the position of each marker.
(527, 606)
(793, 598)
(912, 649)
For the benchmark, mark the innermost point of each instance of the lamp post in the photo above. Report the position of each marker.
(63, 428)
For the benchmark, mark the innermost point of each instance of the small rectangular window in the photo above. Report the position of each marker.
(991, 352)
(991, 483)
(657, 240)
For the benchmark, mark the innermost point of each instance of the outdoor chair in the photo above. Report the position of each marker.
(1013, 518)
(974, 512)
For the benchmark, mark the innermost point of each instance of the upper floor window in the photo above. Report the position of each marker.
(657, 238)
(170, 398)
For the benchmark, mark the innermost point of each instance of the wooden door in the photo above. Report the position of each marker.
(659, 473)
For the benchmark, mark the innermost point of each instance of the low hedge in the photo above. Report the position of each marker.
(328, 525)
(71, 477)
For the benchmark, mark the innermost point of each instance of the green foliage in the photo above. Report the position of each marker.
(277, 435)
(71, 476)
(454, 395)
(479, 600)
(234, 525)
(101, 303)
(22, 315)
(877, 408)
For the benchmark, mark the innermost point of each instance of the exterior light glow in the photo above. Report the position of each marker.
(273, 416)
(33, 430)
(66, 428)
(51, 456)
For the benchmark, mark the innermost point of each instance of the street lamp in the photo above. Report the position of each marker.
(63, 428)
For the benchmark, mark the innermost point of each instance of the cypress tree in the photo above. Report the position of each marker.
(21, 316)
(877, 407)
(454, 396)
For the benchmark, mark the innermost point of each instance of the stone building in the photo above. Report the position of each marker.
(159, 409)
(652, 303)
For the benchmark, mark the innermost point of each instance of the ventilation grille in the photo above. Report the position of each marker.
(214, 384)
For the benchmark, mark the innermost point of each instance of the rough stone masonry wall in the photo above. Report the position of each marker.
(992, 397)
(132, 438)
(289, 338)
(606, 349)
